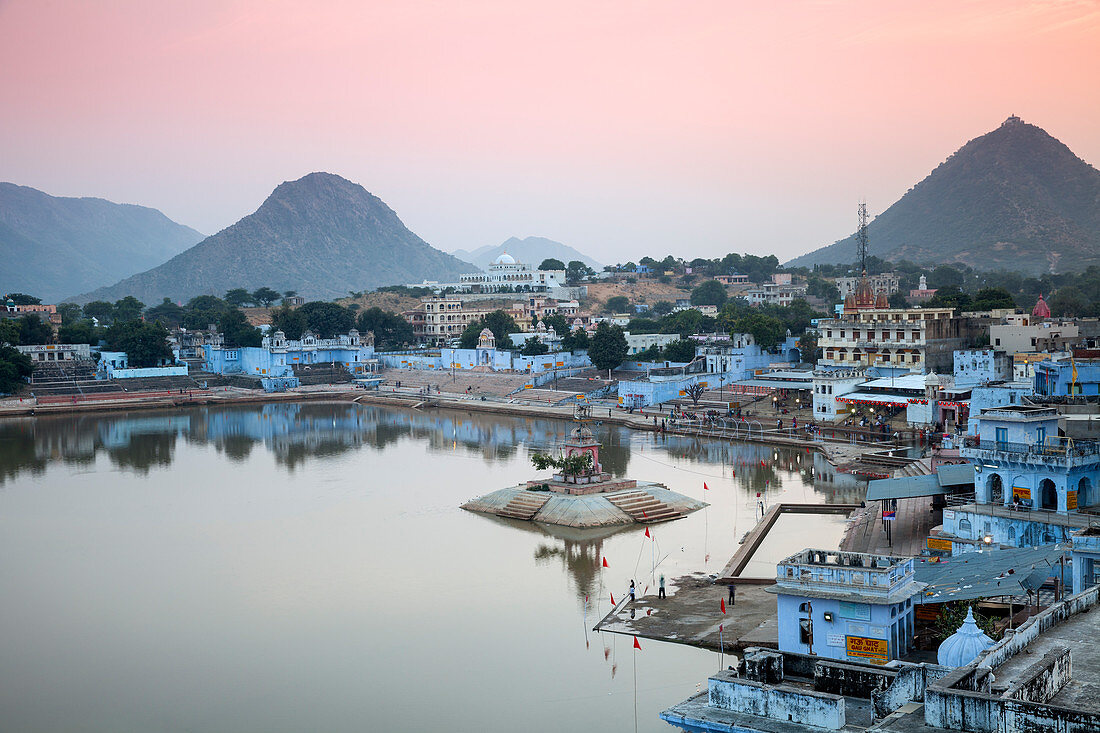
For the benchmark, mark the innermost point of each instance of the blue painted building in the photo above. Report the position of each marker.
(995, 395)
(1070, 377)
(279, 356)
(845, 605)
(1029, 482)
(973, 367)
(1085, 559)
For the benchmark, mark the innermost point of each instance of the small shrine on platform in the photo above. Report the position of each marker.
(580, 493)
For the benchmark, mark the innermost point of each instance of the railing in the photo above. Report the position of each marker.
(1056, 449)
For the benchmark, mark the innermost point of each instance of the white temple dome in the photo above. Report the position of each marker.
(505, 259)
(964, 646)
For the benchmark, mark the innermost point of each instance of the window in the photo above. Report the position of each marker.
(805, 631)
(1002, 437)
(1041, 436)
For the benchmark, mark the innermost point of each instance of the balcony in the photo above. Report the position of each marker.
(1061, 452)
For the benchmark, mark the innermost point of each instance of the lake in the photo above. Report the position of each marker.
(292, 567)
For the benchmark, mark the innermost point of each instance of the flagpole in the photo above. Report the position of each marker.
(635, 665)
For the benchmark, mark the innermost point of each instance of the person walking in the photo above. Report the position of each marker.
(631, 591)
(733, 593)
(661, 587)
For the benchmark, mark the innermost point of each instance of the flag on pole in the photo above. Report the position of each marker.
(636, 644)
(723, 605)
(605, 563)
(705, 487)
(647, 534)
(612, 597)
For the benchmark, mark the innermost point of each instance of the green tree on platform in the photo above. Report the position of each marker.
(390, 330)
(236, 329)
(681, 350)
(145, 343)
(499, 322)
(534, 347)
(291, 321)
(608, 348)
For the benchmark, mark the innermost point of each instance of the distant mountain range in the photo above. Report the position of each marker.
(532, 250)
(320, 235)
(52, 246)
(1015, 198)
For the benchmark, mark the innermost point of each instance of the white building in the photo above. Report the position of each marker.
(1023, 333)
(886, 282)
(506, 273)
(829, 384)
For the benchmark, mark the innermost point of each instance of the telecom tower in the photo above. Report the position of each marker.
(861, 237)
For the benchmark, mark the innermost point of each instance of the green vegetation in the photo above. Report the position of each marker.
(552, 264)
(710, 292)
(608, 348)
(499, 322)
(681, 350)
(578, 464)
(143, 342)
(617, 304)
(534, 347)
(390, 330)
(15, 367)
(576, 340)
(237, 331)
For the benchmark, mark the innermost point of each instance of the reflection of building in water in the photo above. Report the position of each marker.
(579, 551)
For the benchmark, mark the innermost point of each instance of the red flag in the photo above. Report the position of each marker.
(647, 534)
(723, 605)
(605, 559)
(636, 644)
(705, 487)
(645, 516)
(719, 628)
(733, 473)
(613, 598)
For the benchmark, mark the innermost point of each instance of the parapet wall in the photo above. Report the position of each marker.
(777, 702)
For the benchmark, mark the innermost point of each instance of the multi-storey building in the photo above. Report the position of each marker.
(886, 282)
(922, 339)
(775, 294)
(445, 317)
(508, 275)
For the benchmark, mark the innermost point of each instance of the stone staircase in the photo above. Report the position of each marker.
(644, 508)
(525, 505)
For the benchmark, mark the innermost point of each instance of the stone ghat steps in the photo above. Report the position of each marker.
(525, 505)
(644, 508)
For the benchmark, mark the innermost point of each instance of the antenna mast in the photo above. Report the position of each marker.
(861, 237)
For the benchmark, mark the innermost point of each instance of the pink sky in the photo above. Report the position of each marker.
(621, 128)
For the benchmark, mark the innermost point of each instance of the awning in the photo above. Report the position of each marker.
(987, 573)
(956, 474)
(777, 383)
(869, 398)
(906, 487)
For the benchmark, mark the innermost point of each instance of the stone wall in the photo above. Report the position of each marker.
(908, 685)
(776, 702)
(1043, 680)
(838, 678)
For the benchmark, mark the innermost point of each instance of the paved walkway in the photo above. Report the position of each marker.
(909, 532)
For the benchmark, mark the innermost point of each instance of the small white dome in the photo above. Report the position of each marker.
(505, 259)
(964, 646)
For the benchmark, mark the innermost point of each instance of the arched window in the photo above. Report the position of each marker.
(996, 489)
(1048, 494)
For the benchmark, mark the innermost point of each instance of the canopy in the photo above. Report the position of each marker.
(872, 398)
(956, 474)
(906, 487)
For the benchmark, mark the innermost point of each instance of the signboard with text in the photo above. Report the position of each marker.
(1022, 492)
(862, 647)
(1071, 500)
(939, 545)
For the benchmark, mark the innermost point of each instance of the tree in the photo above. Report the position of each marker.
(23, 299)
(33, 330)
(807, 345)
(499, 322)
(653, 353)
(203, 310)
(681, 350)
(767, 330)
(576, 271)
(326, 319)
(558, 323)
(236, 329)
(238, 297)
(15, 367)
(575, 340)
(265, 296)
(80, 332)
(949, 296)
(390, 330)
(69, 312)
(897, 300)
(695, 391)
(552, 264)
(9, 332)
(100, 310)
(167, 314)
(534, 347)
(686, 323)
(819, 287)
(617, 304)
(993, 298)
(643, 325)
(1068, 301)
(290, 293)
(128, 309)
(608, 348)
(578, 464)
(944, 276)
(291, 321)
(710, 292)
(145, 343)
(662, 308)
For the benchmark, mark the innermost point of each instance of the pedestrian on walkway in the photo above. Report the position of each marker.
(733, 593)
(661, 587)
(631, 591)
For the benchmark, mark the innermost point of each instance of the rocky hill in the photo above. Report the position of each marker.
(321, 235)
(1015, 198)
(532, 250)
(52, 246)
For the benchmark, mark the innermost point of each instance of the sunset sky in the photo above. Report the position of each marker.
(620, 128)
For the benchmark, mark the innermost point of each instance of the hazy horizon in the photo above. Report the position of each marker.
(622, 129)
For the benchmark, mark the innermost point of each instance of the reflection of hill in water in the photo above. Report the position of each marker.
(295, 433)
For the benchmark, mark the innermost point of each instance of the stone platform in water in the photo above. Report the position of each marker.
(642, 503)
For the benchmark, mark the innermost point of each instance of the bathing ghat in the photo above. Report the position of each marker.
(581, 494)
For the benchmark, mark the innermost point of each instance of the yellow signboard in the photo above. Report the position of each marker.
(938, 544)
(1021, 492)
(873, 650)
(1071, 500)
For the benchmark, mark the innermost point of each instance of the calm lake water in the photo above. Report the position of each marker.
(306, 567)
